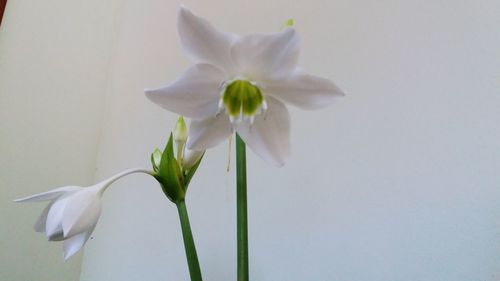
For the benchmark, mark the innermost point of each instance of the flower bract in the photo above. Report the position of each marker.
(174, 174)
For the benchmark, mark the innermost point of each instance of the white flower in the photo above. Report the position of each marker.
(240, 83)
(72, 213)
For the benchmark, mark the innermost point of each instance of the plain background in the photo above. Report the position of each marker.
(396, 181)
(54, 64)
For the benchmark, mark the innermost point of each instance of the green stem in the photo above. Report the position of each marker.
(241, 210)
(187, 235)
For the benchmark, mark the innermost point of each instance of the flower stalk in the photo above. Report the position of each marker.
(189, 246)
(174, 175)
(241, 210)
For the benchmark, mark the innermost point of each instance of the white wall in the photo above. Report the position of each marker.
(54, 58)
(398, 181)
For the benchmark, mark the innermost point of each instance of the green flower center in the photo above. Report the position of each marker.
(241, 98)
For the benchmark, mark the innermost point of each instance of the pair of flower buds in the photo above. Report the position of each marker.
(73, 211)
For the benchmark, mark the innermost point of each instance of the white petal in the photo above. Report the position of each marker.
(264, 56)
(82, 212)
(40, 222)
(303, 90)
(53, 225)
(75, 243)
(49, 195)
(269, 135)
(195, 94)
(203, 43)
(209, 132)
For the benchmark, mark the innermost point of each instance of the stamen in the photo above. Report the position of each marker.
(221, 107)
(264, 105)
(223, 85)
(264, 110)
(229, 152)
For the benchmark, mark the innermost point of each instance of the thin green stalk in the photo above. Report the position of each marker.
(187, 235)
(241, 210)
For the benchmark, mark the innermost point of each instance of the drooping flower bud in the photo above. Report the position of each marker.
(73, 212)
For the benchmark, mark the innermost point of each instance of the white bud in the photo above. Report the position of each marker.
(191, 157)
(180, 132)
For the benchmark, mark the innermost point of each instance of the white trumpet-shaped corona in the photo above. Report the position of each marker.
(241, 100)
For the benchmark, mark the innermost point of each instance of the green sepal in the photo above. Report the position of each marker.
(169, 174)
(190, 173)
(156, 159)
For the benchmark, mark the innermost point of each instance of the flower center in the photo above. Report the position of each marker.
(242, 100)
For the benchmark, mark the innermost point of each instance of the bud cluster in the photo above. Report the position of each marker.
(174, 172)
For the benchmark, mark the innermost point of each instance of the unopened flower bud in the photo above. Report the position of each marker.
(191, 157)
(180, 132)
(169, 174)
(156, 159)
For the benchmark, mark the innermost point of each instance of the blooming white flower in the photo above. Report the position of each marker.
(72, 213)
(240, 83)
